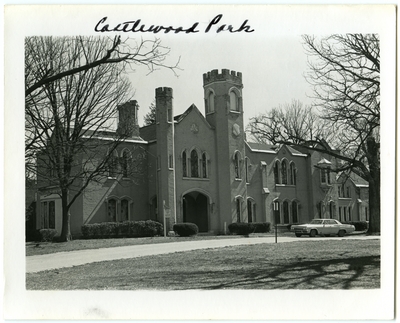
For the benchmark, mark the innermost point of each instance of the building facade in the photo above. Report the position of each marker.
(200, 168)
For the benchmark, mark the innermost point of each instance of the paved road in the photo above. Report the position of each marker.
(81, 257)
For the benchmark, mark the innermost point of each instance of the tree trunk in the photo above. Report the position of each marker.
(374, 187)
(66, 217)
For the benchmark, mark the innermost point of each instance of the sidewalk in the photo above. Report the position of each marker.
(81, 257)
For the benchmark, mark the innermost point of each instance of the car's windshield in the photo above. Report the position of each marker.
(316, 221)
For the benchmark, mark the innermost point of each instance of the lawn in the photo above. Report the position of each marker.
(42, 248)
(330, 264)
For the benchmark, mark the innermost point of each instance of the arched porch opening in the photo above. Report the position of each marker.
(196, 209)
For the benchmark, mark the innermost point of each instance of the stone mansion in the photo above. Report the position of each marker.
(198, 167)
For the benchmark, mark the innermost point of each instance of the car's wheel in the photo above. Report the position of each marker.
(298, 234)
(341, 233)
(313, 233)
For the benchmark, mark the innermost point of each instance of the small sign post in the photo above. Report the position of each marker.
(276, 213)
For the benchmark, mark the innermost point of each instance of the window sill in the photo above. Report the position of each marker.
(285, 185)
(196, 179)
(238, 179)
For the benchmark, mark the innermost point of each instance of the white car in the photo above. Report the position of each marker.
(324, 227)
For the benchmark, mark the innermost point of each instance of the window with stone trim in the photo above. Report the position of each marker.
(234, 101)
(184, 164)
(237, 160)
(112, 210)
(292, 173)
(284, 174)
(204, 165)
(276, 172)
(194, 163)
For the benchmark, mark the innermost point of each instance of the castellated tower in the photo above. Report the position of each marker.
(165, 156)
(127, 119)
(224, 111)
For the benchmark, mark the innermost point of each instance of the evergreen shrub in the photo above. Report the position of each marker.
(360, 225)
(242, 228)
(185, 229)
(126, 229)
(46, 235)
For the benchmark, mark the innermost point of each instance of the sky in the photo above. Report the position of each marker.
(272, 70)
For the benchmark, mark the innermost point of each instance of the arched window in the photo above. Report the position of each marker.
(184, 164)
(285, 207)
(124, 210)
(251, 210)
(284, 169)
(125, 163)
(113, 164)
(295, 216)
(276, 209)
(238, 210)
(194, 164)
(204, 165)
(292, 173)
(276, 172)
(234, 102)
(112, 210)
(236, 161)
(210, 102)
(326, 175)
(247, 165)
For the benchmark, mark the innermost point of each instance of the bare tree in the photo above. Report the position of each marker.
(344, 72)
(68, 107)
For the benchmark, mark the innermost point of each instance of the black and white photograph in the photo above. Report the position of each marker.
(200, 162)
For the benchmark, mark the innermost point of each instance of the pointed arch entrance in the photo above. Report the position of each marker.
(195, 209)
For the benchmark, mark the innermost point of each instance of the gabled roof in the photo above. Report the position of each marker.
(261, 148)
(357, 180)
(295, 152)
(194, 109)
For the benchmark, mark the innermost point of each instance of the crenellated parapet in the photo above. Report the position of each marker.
(164, 91)
(225, 75)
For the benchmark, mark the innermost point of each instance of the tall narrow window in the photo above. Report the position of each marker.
(249, 211)
(52, 215)
(125, 163)
(319, 207)
(295, 217)
(237, 165)
(45, 219)
(112, 210)
(113, 165)
(184, 166)
(124, 210)
(204, 165)
(292, 173)
(233, 101)
(194, 163)
(247, 165)
(238, 210)
(276, 172)
(284, 172)
(169, 111)
(331, 210)
(285, 212)
(210, 103)
(170, 162)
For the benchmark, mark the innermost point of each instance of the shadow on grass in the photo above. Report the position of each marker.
(350, 273)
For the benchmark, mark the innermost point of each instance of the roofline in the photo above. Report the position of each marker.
(111, 139)
(260, 150)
